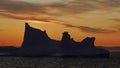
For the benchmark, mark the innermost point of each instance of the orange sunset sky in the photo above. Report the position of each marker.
(81, 18)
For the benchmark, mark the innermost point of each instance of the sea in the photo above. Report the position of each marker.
(60, 62)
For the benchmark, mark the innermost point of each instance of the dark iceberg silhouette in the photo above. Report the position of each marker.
(37, 43)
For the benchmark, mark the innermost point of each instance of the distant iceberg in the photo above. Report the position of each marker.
(37, 43)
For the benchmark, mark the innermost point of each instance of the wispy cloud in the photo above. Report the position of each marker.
(56, 7)
(117, 27)
(51, 8)
(116, 19)
(47, 2)
(19, 7)
(88, 29)
(24, 11)
(91, 29)
(1, 30)
(96, 30)
(48, 11)
(47, 19)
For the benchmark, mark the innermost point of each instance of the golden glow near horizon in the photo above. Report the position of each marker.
(81, 18)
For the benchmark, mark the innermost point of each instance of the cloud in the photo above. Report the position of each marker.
(54, 8)
(49, 11)
(81, 6)
(62, 6)
(1, 30)
(47, 2)
(117, 27)
(27, 17)
(116, 19)
(95, 30)
(90, 29)
(20, 7)
(27, 11)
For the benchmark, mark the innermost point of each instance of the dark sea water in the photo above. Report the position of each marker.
(59, 62)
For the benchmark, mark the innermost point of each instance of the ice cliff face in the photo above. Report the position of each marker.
(33, 36)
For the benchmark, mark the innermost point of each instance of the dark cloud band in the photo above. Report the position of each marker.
(90, 29)
(30, 11)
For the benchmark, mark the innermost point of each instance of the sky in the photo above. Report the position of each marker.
(81, 18)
